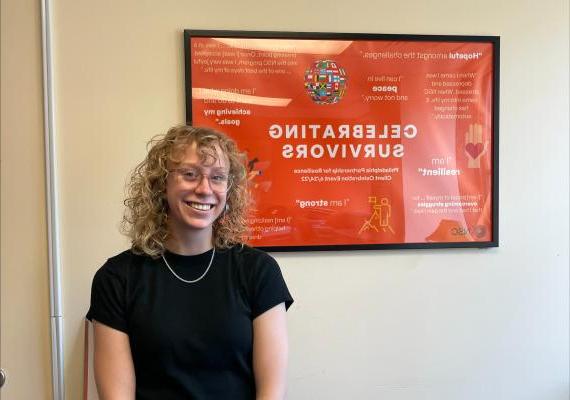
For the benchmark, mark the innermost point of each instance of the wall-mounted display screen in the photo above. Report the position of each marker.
(356, 141)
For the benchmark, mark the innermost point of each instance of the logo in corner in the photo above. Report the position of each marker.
(325, 82)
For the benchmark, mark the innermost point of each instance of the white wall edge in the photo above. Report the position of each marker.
(52, 207)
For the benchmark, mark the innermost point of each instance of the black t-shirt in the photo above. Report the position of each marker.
(189, 340)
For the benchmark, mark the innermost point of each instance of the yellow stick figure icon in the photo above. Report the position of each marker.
(380, 218)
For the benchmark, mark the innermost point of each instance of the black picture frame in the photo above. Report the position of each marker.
(494, 41)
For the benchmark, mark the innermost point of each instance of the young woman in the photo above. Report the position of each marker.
(189, 312)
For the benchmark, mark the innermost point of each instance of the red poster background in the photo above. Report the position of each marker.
(436, 189)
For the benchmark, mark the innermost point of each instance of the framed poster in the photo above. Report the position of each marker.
(356, 141)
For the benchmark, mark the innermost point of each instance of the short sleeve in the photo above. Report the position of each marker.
(269, 287)
(108, 298)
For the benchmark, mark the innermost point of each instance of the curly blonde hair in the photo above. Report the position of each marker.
(146, 214)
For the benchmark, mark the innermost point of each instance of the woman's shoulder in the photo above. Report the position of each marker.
(120, 263)
(251, 261)
(262, 279)
(248, 254)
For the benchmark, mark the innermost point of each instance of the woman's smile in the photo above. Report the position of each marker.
(199, 206)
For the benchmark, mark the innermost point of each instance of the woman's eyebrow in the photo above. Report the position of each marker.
(201, 167)
(188, 165)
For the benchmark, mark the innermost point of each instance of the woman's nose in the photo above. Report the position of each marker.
(204, 184)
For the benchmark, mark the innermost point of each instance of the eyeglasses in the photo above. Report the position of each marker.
(219, 182)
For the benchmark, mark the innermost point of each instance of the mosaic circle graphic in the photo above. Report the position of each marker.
(325, 82)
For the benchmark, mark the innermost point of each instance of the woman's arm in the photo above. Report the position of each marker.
(270, 351)
(113, 363)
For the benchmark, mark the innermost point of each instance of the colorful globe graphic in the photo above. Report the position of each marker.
(325, 82)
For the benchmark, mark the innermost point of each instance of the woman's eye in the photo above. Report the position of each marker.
(190, 174)
(219, 178)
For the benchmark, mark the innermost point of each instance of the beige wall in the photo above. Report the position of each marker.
(398, 325)
(24, 332)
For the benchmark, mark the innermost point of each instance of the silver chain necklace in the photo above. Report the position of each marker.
(195, 280)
